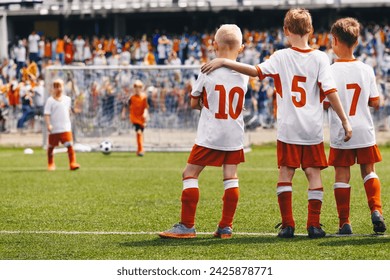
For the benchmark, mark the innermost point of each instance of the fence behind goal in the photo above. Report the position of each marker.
(100, 94)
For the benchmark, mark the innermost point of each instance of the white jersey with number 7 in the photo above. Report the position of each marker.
(221, 123)
(356, 86)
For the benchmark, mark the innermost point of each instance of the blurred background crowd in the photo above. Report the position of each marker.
(22, 74)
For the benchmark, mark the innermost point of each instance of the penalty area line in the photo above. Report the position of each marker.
(11, 232)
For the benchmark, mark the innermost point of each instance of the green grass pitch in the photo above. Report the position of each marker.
(112, 208)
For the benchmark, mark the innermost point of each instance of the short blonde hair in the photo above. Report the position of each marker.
(346, 30)
(229, 35)
(138, 83)
(298, 21)
(58, 81)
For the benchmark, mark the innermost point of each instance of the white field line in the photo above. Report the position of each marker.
(10, 232)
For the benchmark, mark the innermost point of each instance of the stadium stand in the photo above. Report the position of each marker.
(105, 39)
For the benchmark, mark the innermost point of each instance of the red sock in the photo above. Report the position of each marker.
(342, 194)
(372, 186)
(140, 147)
(189, 201)
(230, 201)
(50, 155)
(314, 207)
(284, 191)
(71, 155)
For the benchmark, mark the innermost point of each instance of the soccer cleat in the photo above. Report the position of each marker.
(51, 167)
(74, 166)
(179, 231)
(345, 229)
(223, 233)
(285, 232)
(315, 232)
(378, 221)
(140, 154)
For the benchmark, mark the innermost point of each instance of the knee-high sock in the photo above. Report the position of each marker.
(140, 139)
(372, 186)
(315, 197)
(71, 154)
(230, 201)
(342, 194)
(284, 192)
(50, 155)
(189, 201)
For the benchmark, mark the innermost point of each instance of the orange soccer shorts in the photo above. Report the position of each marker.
(293, 155)
(208, 157)
(56, 138)
(348, 157)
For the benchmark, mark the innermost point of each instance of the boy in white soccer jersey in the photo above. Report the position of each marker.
(220, 136)
(300, 74)
(57, 118)
(357, 89)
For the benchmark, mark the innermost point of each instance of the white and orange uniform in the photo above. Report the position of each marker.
(300, 76)
(356, 86)
(58, 110)
(221, 123)
(302, 80)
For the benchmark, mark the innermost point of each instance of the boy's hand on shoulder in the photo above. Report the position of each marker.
(212, 65)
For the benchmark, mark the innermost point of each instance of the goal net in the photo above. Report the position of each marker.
(100, 94)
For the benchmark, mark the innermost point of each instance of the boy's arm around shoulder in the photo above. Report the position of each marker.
(335, 102)
(242, 68)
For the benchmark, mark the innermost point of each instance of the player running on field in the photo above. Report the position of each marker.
(220, 136)
(300, 74)
(357, 89)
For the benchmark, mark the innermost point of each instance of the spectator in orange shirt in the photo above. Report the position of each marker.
(138, 107)
(60, 49)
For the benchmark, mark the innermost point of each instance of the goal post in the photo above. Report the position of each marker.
(100, 93)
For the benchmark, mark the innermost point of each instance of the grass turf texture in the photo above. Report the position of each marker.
(54, 215)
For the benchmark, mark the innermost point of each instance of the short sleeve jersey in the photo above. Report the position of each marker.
(59, 112)
(221, 123)
(356, 86)
(138, 104)
(302, 79)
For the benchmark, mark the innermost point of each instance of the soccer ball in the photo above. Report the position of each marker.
(106, 147)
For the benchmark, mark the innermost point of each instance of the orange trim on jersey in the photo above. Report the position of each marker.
(345, 60)
(330, 91)
(276, 77)
(301, 50)
(374, 98)
(260, 73)
(204, 98)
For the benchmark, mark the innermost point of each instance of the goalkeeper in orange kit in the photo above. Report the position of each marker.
(138, 107)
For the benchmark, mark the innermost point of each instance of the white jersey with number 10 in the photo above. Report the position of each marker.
(221, 123)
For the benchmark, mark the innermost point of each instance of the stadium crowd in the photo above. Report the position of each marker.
(22, 76)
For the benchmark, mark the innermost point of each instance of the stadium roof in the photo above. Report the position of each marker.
(78, 7)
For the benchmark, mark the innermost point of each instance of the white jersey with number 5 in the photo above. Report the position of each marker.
(221, 124)
(356, 86)
(302, 79)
